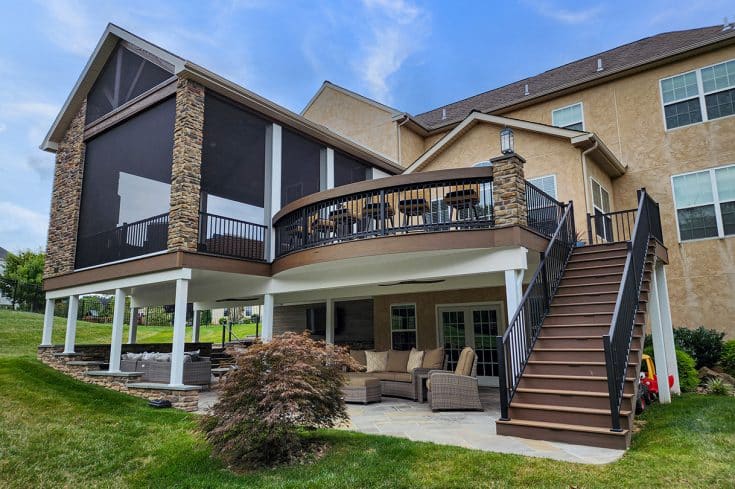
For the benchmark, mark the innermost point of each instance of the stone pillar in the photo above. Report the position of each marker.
(183, 227)
(179, 339)
(509, 191)
(48, 323)
(66, 196)
(133, 332)
(71, 324)
(118, 318)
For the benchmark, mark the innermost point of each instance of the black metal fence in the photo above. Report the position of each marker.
(515, 346)
(464, 203)
(610, 227)
(127, 241)
(231, 237)
(21, 296)
(544, 212)
(618, 341)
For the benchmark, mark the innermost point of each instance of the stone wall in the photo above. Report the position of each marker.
(101, 352)
(509, 191)
(183, 226)
(79, 364)
(65, 199)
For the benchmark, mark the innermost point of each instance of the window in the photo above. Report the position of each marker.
(546, 184)
(705, 203)
(403, 326)
(601, 206)
(569, 117)
(699, 95)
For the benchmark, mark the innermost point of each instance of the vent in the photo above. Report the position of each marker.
(599, 64)
(525, 90)
(444, 114)
(726, 25)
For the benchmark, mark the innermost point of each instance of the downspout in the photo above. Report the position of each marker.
(587, 205)
(398, 137)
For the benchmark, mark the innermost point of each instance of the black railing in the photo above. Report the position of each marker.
(231, 237)
(610, 227)
(544, 212)
(515, 346)
(442, 205)
(618, 341)
(127, 241)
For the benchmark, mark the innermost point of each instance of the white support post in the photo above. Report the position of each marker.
(659, 350)
(330, 322)
(330, 168)
(71, 324)
(179, 339)
(118, 320)
(267, 318)
(48, 323)
(133, 331)
(666, 325)
(513, 291)
(195, 326)
(272, 185)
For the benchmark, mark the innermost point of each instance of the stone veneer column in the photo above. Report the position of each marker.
(509, 191)
(183, 225)
(66, 199)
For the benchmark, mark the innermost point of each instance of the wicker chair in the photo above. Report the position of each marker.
(456, 390)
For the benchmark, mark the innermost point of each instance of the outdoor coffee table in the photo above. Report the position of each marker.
(362, 390)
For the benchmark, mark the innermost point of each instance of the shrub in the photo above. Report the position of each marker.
(727, 359)
(718, 387)
(279, 389)
(688, 377)
(704, 345)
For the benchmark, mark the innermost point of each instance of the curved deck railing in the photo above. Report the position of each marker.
(445, 200)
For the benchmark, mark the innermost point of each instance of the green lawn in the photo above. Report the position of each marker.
(57, 432)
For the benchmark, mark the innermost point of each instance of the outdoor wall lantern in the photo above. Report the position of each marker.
(506, 141)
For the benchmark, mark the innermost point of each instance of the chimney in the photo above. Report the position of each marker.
(444, 114)
(525, 90)
(599, 64)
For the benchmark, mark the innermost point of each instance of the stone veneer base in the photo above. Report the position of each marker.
(185, 398)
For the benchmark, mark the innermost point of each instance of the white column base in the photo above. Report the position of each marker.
(118, 318)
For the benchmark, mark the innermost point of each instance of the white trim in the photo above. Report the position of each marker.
(273, 173)
(581, 109)
(330, 168)
(71, 323)
(118, 318)
(415, 326)
(48, 323)
(266, 318)
(121, 283)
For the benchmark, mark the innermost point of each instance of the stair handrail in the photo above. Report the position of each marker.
(514, 347)
(618, 341)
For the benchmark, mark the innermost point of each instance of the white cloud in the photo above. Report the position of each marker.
(21, 227)
(3, 127)
(31, 109)
(397, 30)
(69, 26)
(577, 16)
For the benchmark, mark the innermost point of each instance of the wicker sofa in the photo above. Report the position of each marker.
(157, 368)
(396, 381)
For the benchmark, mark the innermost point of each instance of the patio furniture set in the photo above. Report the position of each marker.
(416, 375)
(156, 367)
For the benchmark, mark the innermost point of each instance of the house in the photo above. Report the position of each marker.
(369, 227)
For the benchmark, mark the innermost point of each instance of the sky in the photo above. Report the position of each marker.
(412, 55)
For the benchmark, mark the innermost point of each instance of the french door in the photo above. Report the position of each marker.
(475, 326)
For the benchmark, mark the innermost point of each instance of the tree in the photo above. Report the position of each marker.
(22, 279)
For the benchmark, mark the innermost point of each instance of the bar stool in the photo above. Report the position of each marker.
(459, 200)
(321, 229)
(344, 221)
(371, 215)
(295, 233)
(411, 208)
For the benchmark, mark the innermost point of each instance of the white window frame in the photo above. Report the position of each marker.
(581, 109)
(416, 322)
(592, 193)
(716, 202)
(553, 175)
(700, 95)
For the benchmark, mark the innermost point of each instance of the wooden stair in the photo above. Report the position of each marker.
(563, 392)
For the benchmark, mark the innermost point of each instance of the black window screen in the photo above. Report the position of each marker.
(125, 76)
(300, 166)
(233, 161)
(127, 171)
(348, 170)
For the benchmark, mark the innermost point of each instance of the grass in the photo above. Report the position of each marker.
(57, 432)
(20, 332)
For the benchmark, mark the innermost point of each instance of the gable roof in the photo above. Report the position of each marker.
(327, 84)
(187, 69)
(616, 61)
(580, 139)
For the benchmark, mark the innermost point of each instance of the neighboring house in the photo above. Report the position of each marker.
(661, 110)
(378, 231)
(4, 301)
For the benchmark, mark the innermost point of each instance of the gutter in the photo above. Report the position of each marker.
(406, 118)
(584, 175)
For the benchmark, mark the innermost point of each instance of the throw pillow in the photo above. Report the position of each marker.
(376, 361)
(359, 357)
(415, 360)
(397, 360)
(434, 359)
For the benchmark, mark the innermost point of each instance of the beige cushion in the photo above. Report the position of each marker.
(397, 360)
(359, 356)
(394, 376)
(434, 359)
(376, 361)
(465, 361)
(361, 381)
(415, 360)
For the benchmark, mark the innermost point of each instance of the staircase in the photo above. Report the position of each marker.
(563, 392)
